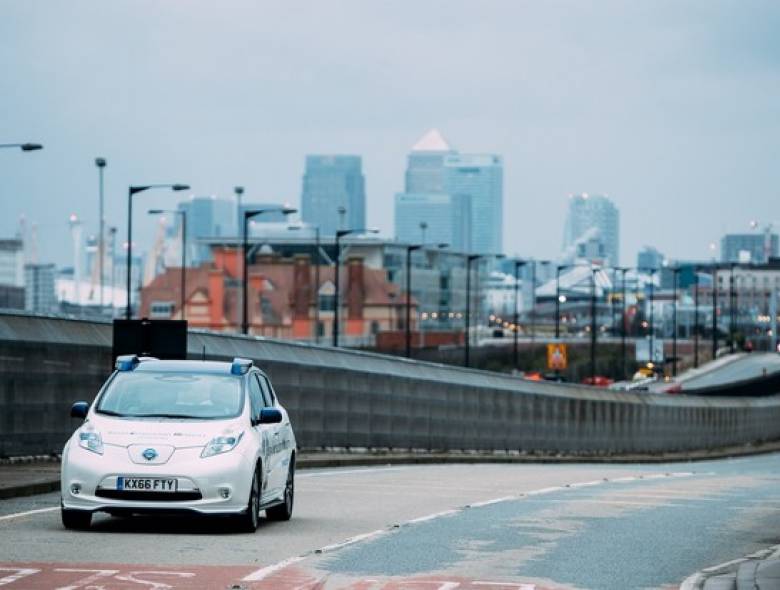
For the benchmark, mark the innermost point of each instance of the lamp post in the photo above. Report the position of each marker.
(25, 147)
(732, 323)
(675, 273)
(340, 234)
(247, 215)
(183, 277)
(467, 343)
(407, 324)
(558, 270)
(593, 325)
(518, 265)
(623, 330)
(715, 290)
(101, 164)
(695, 317)
(423, 227)
(132, 190)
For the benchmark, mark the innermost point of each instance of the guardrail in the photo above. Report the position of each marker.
(350, 399)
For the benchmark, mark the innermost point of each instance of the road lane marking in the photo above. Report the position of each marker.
(19, 573)
(348, 471)
(28, 513)
(268, 570)
(264, 572)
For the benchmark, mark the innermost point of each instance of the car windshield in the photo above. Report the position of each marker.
(172, 395)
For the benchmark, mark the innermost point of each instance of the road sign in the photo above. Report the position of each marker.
(557, 357)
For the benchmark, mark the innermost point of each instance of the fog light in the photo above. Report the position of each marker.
(75, 489)
(224, 492)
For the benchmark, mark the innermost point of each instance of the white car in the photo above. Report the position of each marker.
(180, 436)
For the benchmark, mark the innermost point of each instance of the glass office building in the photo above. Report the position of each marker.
(593, 216)
(331, 183)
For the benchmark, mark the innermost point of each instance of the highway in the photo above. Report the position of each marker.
(746, 367)
(520, 526)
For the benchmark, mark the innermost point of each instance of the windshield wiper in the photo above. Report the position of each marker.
(165, 416)
(110, 413)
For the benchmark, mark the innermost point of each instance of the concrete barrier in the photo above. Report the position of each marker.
(343, 398)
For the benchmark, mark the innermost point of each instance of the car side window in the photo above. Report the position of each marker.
(255, 396)
(269, 388)
(266, 391)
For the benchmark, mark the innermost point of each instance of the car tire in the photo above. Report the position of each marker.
(284, 510)
(249, 520)
(78, 520)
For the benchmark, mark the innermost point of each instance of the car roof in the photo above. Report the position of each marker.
(210, 367)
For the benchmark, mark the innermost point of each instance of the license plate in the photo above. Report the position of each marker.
(147, 484)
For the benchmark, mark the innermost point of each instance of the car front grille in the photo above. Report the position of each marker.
(143, 496)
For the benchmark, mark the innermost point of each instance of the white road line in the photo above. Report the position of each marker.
(545, 491)
(264, 572)
(429, 517)
(28, 513)
(351, 541)
(489, 502)
(348, 471)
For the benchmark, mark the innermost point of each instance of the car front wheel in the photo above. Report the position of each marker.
(250, 518)
(284, 510)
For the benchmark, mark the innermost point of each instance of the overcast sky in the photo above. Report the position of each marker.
(670, 108)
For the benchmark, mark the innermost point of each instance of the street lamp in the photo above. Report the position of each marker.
(408, 323)
(183, 214)
(675, 272)
(715, 289)
(593, 325)
(469, 259)
(340, 234)
(695, 316)
(132, 190)
(732, 301)
(515, 355)
(25, 147)
(623, 270)
(316, 277)
(101, 164)
(247, 216)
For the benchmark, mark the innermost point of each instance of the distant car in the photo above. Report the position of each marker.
(598, 381)
(181, 436)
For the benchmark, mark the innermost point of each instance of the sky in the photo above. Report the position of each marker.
(671, 108)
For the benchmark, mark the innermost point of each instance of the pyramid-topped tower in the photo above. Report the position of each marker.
(432, 141)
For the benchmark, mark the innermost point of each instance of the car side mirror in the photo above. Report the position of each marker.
(270, 416)
(79, 410)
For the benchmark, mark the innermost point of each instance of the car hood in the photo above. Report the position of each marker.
(177, 433)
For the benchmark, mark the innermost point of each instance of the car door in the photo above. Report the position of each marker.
(276, 449)
(260, 431)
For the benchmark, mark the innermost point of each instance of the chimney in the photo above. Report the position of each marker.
(356, 289)
(216, 298)
(301, 293)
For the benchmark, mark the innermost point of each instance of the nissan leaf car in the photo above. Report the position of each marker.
(181, 436)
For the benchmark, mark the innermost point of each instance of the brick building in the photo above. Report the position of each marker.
(281, 297)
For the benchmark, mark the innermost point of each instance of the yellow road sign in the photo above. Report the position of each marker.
(557, 358)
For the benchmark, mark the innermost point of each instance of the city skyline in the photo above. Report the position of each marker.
(682, 122)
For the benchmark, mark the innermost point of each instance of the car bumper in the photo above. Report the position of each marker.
(214, 485)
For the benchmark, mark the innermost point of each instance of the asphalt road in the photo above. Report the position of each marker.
(413, 527)
(747, 367)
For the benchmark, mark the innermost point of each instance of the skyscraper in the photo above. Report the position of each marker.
(425, 170)
(434, 218)
(458, 196)
(331, 183)
(479, 178)
(592, 217)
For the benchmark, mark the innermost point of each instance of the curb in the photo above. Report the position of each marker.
(368, 459)
(699, 579)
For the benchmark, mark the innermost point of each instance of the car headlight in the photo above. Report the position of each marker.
(221, 444)
(91, 441)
